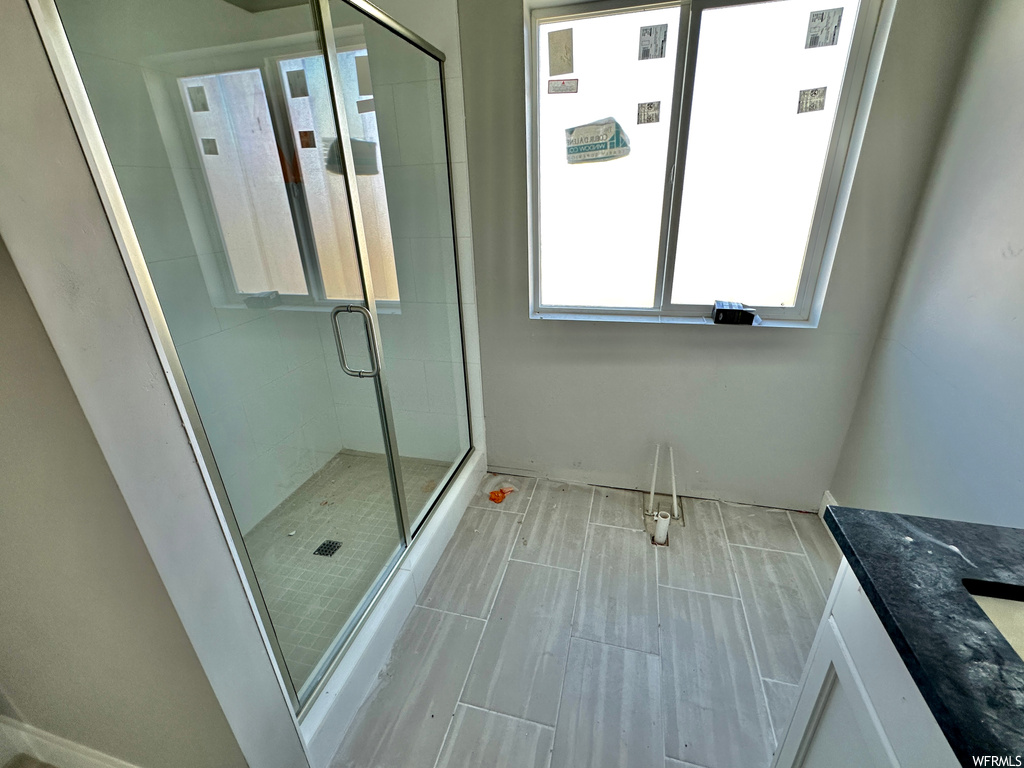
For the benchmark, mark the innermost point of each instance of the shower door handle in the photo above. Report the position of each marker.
(368, 321)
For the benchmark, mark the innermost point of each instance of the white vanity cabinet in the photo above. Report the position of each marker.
(858, 706)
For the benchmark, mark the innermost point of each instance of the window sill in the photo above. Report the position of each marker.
(666, 319)
(384, 306)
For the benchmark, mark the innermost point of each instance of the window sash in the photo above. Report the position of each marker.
(830, 205)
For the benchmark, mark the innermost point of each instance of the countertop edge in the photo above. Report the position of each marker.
(943, 717)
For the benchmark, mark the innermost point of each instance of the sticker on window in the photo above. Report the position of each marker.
(600, 140)
(648, 112)
(823, 28)
(197, 98)
(563, 86)
(297, 85)
(652, 42)
(559, 52)
(811, 100)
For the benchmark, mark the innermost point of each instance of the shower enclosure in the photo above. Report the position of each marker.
(285, 167)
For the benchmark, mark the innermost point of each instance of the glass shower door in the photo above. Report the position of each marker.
(244, 195)
(394, 97)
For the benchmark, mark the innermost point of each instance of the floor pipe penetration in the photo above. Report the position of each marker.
(652, 510)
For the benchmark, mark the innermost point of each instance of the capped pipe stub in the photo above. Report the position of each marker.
(661, 528)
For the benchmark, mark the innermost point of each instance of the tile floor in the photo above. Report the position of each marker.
(310, 597)
(553, 634)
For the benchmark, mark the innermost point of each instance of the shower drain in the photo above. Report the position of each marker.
(328, 548)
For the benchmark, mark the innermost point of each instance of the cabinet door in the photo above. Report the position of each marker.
(835, 725)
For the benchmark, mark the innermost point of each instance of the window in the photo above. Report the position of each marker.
(271, 192)
(687, 153)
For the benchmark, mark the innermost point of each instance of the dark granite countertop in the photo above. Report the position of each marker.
(912, 571)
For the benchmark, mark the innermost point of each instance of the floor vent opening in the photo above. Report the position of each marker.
(328, 548)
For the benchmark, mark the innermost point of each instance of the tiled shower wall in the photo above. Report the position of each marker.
(275, 403)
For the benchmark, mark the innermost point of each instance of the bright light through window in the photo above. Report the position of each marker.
(754, 161)
(600, 221)
(645, 208)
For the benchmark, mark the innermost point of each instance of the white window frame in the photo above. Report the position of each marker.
(860, 80)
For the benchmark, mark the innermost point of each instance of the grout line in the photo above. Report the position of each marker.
(615, 645)
(661, 662)
(492, 509)
(699, 592)
(618, 527)
(769, 549)
(750, 634)
(545, 565)
(780, 682)
(450, 613)
(510, 717)
(821, 587)
(572, 621)
(472, 661)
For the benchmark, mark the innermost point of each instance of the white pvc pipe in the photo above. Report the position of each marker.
(661, 527)
(676, 508)
(654, 478)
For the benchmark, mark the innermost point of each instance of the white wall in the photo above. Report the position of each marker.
(274, 402)
(755, 414)
(939, 429)
(91, 648)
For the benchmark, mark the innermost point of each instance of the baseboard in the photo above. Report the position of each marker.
(324, 726)
(586, 479)
(20, 738)
(827, 499)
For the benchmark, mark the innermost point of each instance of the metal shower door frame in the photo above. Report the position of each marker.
(65, 68)
(325, 31)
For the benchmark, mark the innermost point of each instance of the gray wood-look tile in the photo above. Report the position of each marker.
(784, 605)
(404, 720)
(515, 502)
(614, 506)
(715, 714)
(670, 763)
(618, 600)
(820, 547)
(781, 704)
(479, 738)
(555, 525)
(610, 714)
(697, 555)
(759, 527)
(521, 660)
(466, 577)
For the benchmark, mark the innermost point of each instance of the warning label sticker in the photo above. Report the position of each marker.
(600, 140)
(648, 112)
(653, 41)
(811, 100)
(823, 28)
(563, 86)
